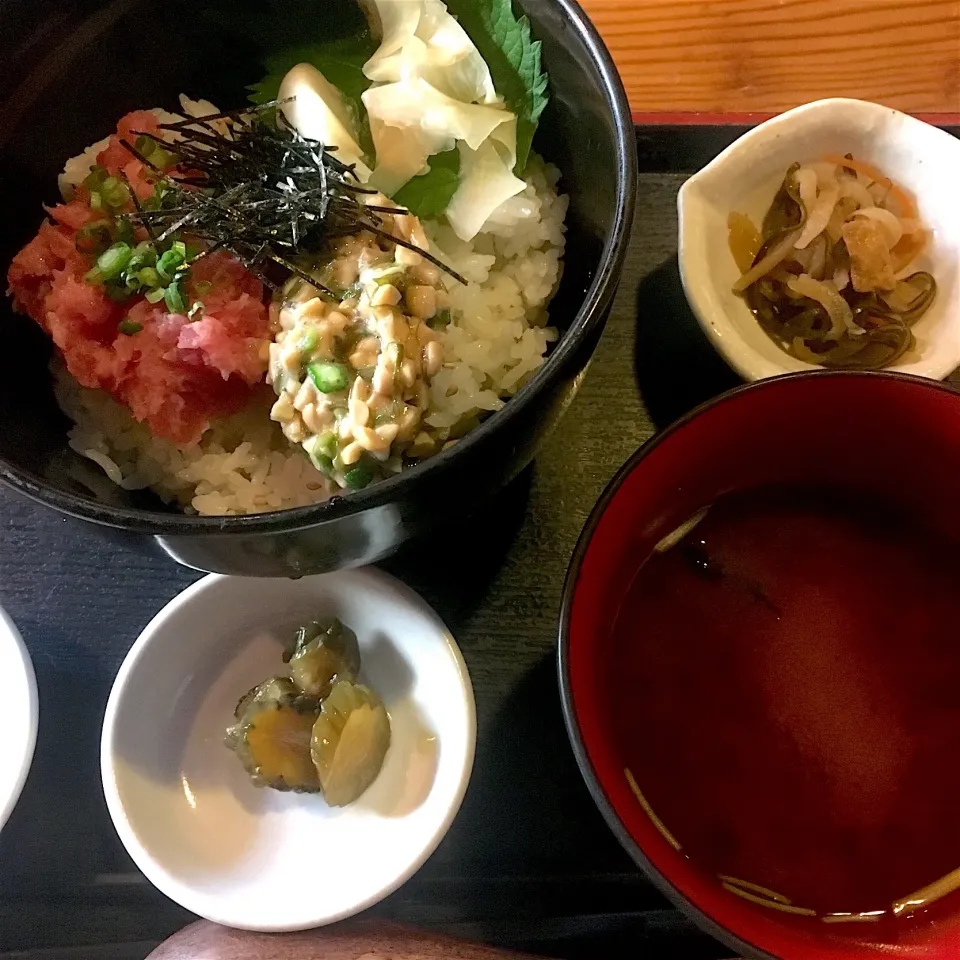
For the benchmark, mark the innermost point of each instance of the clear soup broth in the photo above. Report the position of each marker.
(785, 689)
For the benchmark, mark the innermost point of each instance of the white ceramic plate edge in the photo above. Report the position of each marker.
(27, 746)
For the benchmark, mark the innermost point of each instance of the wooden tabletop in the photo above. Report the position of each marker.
(692, 60)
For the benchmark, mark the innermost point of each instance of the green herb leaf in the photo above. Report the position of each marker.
(514, 59)
(430, 194)
(340, 61)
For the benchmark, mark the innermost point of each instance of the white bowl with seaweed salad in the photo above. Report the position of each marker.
(857, 208)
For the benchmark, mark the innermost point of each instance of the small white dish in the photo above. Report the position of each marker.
(20, 715)
(259, 859)
(747, 175)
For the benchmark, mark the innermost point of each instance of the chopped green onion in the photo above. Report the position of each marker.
(352, 292)
(328, 377)
(146, 145)
(176, 302)
(143, 256)
(96, 201)
(94, 237)
(117, 293)
(125, 232)
(439, 320)
(149, 277)
(162, 158)
(326, 443)
(179, 247)
(96, 176)
(94, 276)
(129, 327)
(113, 260)
(318, 458)
(156, 295)
(308, 342)
(169, 262)
(114, 192)
(358, 478)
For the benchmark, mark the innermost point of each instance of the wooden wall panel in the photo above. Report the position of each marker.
(765, 56)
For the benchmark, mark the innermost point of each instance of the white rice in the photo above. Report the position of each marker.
(497, 340)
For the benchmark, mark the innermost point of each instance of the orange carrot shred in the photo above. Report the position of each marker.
(906, 203)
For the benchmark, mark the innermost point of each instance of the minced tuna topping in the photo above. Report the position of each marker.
(174, 372)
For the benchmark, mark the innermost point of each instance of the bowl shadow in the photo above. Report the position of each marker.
(452, 567)
(676, 366)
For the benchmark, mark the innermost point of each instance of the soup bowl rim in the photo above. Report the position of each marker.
(584, 761)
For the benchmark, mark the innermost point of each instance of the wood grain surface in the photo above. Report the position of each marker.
(765, 56)
(352, 940)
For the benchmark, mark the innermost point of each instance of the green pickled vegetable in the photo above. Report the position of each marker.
(145, 145)
(349, 742)
(272, 736)
(321, 653)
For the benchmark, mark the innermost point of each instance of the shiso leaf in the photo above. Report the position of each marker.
(430, 194)
(515, 62)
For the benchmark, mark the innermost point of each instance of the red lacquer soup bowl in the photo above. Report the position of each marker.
(888, 436)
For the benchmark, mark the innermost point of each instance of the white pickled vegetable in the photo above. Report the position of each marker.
(432, 91)
(319, 112)
(486, 182)
(856, 191)
(420, 39)
(819, 201)
(411, 121)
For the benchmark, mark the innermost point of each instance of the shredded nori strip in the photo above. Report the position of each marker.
(261, 191)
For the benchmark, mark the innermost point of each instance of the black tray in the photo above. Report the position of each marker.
(528, 863)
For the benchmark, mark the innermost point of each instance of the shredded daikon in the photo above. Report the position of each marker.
(818, 215)
(856, 191)
(825, 292)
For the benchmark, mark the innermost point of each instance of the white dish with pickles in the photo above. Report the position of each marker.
(278, 755)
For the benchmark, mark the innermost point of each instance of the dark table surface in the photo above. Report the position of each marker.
(528, 862)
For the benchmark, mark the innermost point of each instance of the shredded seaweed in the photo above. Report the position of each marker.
(258, 189)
